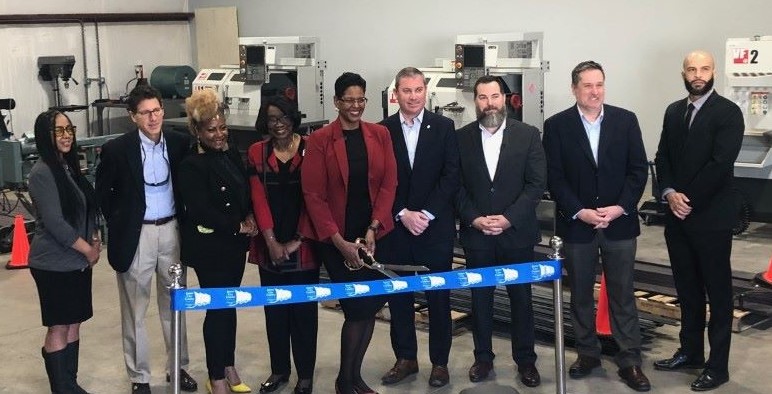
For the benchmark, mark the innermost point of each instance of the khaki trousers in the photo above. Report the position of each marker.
(158, 249)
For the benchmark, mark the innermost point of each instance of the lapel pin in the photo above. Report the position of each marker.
(428, 126)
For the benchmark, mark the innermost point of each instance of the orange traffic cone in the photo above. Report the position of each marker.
(765, 278)
(20, 247)
(602, 324)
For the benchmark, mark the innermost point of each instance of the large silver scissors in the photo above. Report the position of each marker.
(368, 261)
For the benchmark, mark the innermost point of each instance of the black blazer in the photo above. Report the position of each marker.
(432, 183)
(120, 190)
(577, 182)
(699, 162)
(216, 200)
(514, 191)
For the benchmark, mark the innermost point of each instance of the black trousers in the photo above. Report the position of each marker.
(220, 324)
(701, 266)
(438, 258)
(520, 306)
(292, 326)
(618, 263)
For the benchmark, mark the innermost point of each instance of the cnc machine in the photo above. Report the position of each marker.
(514, 57)
(749, 84)
(271, 66)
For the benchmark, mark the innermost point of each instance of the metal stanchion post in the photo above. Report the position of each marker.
(175, 272)
(560, 351)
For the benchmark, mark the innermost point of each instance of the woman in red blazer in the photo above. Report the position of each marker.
(283, 256)
(349, 182)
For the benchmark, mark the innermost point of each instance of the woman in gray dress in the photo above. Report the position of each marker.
(65, 247)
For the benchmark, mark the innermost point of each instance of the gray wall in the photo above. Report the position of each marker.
(122, 45)
(640, 43)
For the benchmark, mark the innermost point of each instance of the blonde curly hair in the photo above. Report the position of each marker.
(202, 106)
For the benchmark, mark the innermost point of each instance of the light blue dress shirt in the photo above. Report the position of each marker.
(159, 195)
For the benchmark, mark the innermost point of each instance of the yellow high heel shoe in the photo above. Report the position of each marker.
(239, 388)
(230, 372)
(209, 386)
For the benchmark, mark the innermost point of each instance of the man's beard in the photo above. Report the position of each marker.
(699, 92)
(493, 119)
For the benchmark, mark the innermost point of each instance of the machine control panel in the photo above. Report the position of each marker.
(759, 103)
(469, 65)
(252, 63)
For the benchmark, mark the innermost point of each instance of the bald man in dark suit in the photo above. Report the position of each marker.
(701, 138)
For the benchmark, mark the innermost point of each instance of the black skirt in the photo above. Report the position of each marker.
(354, 309)
(65, 297)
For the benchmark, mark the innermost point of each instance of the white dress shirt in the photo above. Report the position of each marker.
(491, 143)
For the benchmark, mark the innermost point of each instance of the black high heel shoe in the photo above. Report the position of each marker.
(338, 390)
(362, 388)
(273, 382)
(304, 386)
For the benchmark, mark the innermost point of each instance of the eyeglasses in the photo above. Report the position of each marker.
(282, 119)
(146, 113)
(60, 131)
(168, 168)
(351, 101)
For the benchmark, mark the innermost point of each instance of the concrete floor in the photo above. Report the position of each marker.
(102, 368)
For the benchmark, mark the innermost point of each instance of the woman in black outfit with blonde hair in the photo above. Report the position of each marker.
(216, 225)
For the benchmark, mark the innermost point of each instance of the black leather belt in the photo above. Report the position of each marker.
(159, 222)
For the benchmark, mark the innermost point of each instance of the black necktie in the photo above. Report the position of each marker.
(688, 117)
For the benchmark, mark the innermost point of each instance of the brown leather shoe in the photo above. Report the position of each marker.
(480, 371)
(583, 366)
(439, 376)
(529, 375)
(635, 378)
(401, 369)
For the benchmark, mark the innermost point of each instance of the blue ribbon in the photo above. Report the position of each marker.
(245, 297)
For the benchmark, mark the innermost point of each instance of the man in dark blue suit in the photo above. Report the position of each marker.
(701, 138)
(426, 152)
(596, 175)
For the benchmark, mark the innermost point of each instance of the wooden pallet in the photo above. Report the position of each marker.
(668, 307)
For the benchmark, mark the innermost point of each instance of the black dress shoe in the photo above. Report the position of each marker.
(529, 375)
(480, 371)
(679, 361)
(273, 382)
(583, 366)
(708, 380)
(401, 369)
(187, 383)
(439, 376)
(304, 386)
(140, 388)
(635, 378)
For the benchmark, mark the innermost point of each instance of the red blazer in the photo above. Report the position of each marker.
(258, 250)
(325, 179)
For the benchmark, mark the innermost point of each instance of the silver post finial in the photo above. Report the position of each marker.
(556, 243)
(175, 272)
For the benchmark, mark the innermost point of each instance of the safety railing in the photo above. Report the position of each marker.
(183, 299)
